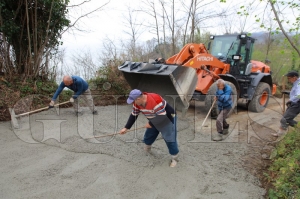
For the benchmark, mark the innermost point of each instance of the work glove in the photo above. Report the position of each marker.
(72, 100)
(51, 104)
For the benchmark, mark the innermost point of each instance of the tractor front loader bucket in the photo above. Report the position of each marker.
(175, 83)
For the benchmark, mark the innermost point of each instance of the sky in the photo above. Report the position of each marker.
(108, 22)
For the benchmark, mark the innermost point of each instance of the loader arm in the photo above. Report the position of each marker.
(207, 66)
(187, 52)
(195, 56)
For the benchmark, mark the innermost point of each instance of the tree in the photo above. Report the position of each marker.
(286, 14)
(198, 13)
(133, 30)
(30, 33)
(31, 29)
(295, 8)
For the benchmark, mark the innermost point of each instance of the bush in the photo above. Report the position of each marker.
(14, 92)
(110, 81)
(284, 172)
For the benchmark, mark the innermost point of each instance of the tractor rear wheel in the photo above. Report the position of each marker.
(261, 98)
(210, 98)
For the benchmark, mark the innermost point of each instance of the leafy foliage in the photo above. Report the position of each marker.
(283, 58)
(110, 81)
(32, 28)
(279, 10)
(284, 172)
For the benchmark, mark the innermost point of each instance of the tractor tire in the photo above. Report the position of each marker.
(260, 98)
(210, 98)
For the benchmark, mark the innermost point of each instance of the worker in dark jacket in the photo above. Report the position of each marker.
(161, 118)
(293, 105)
(224, 100)
(80, 88)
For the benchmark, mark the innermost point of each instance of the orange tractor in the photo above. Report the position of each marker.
(191, 74)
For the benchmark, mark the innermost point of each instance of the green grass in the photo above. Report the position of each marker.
(284, 171)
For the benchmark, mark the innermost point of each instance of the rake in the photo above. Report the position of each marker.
(208, 114)
(14, 117)
(112, 134)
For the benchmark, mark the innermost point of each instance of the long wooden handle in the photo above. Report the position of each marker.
(209, 112)
(112, 134)
(283, 95)
(37, 110)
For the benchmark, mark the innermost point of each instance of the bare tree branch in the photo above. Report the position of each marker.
(282, 28)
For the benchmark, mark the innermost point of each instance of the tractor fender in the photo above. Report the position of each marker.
(256, 79)
(232, 79)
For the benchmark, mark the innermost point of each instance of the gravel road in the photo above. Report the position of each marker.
(51, 155)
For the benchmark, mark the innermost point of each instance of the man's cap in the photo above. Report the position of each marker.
(135, 93)
(292, 74)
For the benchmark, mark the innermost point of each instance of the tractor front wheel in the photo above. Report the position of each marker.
(261, 98)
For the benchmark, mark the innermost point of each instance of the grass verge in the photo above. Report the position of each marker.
(284, 172)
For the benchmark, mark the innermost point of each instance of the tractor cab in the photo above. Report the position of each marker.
(235, 50)
(246, 74)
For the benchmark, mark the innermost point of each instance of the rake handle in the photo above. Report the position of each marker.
(208, 114)
(112, 134)
(37, 110)
(283, 94)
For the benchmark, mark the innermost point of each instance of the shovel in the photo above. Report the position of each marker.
(14, 117)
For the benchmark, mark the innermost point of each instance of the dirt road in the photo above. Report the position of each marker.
(48, 157)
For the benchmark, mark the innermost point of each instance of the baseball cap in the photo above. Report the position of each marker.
(135, 93)
(292, 74)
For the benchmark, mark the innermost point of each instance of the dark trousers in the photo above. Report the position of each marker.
(221, 120)
(288, 117)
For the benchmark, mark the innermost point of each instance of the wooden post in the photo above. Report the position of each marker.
(283, 94)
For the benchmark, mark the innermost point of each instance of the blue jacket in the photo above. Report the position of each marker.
(224, 98)
(79, 86)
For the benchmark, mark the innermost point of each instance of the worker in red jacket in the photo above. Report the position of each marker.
(161, 116)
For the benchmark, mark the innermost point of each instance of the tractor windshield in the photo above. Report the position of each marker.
(224, 46)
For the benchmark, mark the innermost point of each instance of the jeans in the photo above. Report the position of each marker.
(152, 133)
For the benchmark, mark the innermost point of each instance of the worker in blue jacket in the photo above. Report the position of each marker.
(224, 101)
(80, 88)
